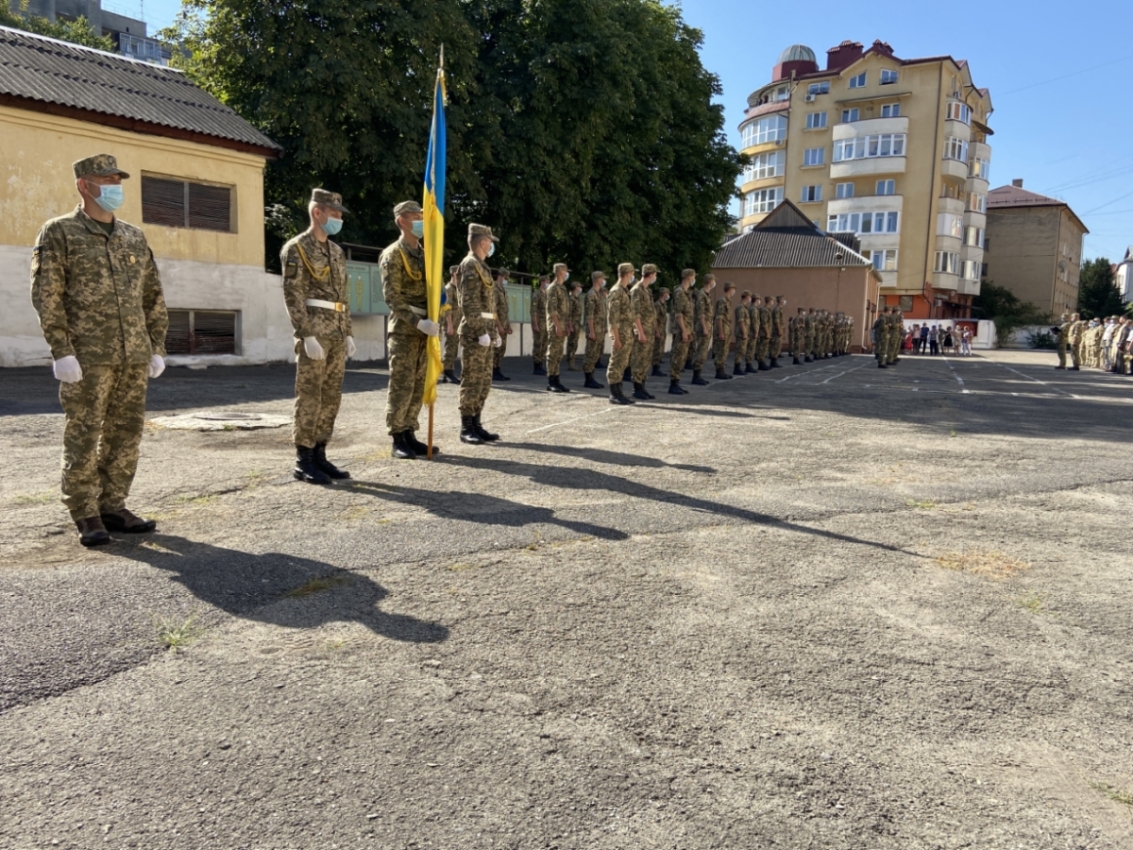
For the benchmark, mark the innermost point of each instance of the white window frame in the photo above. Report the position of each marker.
(814, 156)
(977, 202)
(956, 111)
(881, 221)
(886, 184)
(888, 76)
(970, 270)
(981, 168)
(843, 190)
(946, 262)
(870, 147)
(859, 81)
(884, 260)
(766, 165)
(950, 224)
(891, 110)
(762, 200)
(974, 237)
(816, 120)
(811, 194)
(819, 88)
(955, 148)
(770, 128)
(849, 116)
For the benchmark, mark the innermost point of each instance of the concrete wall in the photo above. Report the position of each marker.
(1027, 246)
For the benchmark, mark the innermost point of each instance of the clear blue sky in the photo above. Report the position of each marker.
(1058, 75)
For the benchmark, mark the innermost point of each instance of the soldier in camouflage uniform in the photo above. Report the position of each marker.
(682, 327)
(662, 311)
(477, 298)
(503, 325)
(644, 320)
(539, 325)
(620, 320)
(742, 332)
(452, 322)
(722, 331)
(574, 328)
(595, 329)
(756, 331)
(881, 337)
(315, 291)
(703, 321)
(403, 286)
(778, 329)
(1074, 336)
(558, 326)
(809, 336)
(96, 289)
(763, 341)
(798, 336)
(896, 335)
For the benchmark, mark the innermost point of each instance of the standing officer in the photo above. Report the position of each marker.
(778, 329)
(452, 322)
(722, 321)
(703, 322)
(558, 326)
(539, 325)
(96, 289)
(644, 321)
(896, 335)
(403, 285)
(1075, 337)
(595, 328)
(763, 347)
(683, 322)
(477, 297)
(503, 325)
(881, 337)
(620, 319)
(314, 289)
(743, 332)
(662, 311)
(1062, 339)
(575, 326)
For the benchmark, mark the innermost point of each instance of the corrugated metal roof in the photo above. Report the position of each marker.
(56, 72)
(787, 239)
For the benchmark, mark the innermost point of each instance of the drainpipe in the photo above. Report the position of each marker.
(932, 184)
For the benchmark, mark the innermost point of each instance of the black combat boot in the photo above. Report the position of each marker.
(648, 394)
(775, 363)
(698, 381)
(657, 373)
(796, 362)
(468, 431)
(92, 532)
(305, 469)
(401, 449)
(721, 375)
(332, 471)
(617, 396)
(450, 376)
(558, 386)
(881, 365)
(539, 370)
(739, 370)
(675, 387)
(415, 444)
(591, 384)
(485, 435)
(750, 369)
(763, 367)
(639, 392)
(808, 359)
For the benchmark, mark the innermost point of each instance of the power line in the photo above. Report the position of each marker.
(1107, 203)
(1067, 76)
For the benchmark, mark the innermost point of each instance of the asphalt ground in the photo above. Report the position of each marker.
(826, 606)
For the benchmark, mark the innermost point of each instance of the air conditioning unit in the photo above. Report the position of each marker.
(810, 98)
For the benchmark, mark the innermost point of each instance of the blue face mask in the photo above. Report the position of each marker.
(492, 249)
(111, 197)
(419, 229)
(332, 226)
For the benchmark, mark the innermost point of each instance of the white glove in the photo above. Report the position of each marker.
(68, 370)
(429, 327)
(484, 340)
(499, 341)
(156, 366)
(351, 348)
(313, 349)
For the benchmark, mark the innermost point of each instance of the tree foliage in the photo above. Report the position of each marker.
(78, 31)
(580, 130)
(1004, 307)
(1098, 296)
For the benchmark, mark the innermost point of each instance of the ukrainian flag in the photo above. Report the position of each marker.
(434, 216)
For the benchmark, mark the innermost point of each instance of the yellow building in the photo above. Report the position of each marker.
(893, 150)
(1034, 247)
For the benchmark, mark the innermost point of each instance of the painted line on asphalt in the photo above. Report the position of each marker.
(571, 421)
(840, 374)
(955, 375)
(807, 372)
(1036, 380)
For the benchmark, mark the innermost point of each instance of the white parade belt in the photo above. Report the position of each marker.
(417, 311)
(337, 306)
(487, 315)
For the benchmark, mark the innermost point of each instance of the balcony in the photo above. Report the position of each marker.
(967, 287)
(943, 280)
(880, 241)
(867, 166)
(762, 183)
(145, 49)
(954, 168)
(958, 129)
(977, 184)
(951, 205)
(763, 147)
(888, 279)
(971, 252)
(979, 149)
(951, 244)
(975, 219)
(870, 127)
(866, 203)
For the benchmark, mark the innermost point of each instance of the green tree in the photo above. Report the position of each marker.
(1004, 307)
(78, 31)
(1098, 297)
(581, 130)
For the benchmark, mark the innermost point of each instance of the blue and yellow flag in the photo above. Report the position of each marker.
(434, 215)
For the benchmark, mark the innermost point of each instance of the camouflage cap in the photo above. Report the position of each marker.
(625, 268)
(648, 268)
(99, 165)
(755, 296)
(745, 294)
(597, 276)
(503, 272)
(481, 230)
(544, 278)
(687, 273)
(561, 267)
(406, 207)
(328, 199)
(729, 286)
(708, 277)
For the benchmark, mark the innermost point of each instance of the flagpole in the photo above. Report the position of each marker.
(432, 404)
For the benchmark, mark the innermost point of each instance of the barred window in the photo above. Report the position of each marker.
(182, 203)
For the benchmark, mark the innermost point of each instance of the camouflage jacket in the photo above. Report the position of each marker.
(477, 299)
(743, 322)
(596, 313)
(576, 311)
(98, 297)
(661, 310)
(765, 323)
(722, 317)
(404, 287)
(682, 306)
(539, 307)
(503, 309)
(642, 300)
(881, 330)
(777, 324)
(313, 269)
(619, 312)
(703, 314)
(451, 301)
(558, 307)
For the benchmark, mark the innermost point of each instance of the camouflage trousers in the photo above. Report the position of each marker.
(1062, 353)
(408, 362)
(593, 352)
(762, 348)
(881, 350)
(105, 413)
(641, 360)
(700, 352)
(776, 347)
(571, 348)
(677, 356)
(658, 350)
(452, 344)
(895, 341)
(742, 347)
(539, 346)
(476, 378)
(318, 392)
(1076, 354)
(721, 347)
(555, 346)
(620, 358)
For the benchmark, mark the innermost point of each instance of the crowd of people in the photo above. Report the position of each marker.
(1105, 344)
(938, 339)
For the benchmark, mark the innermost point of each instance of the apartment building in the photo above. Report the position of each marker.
(892, 150)
(128, 34)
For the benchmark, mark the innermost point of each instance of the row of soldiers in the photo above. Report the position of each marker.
(1097, 343)
(887, 336)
